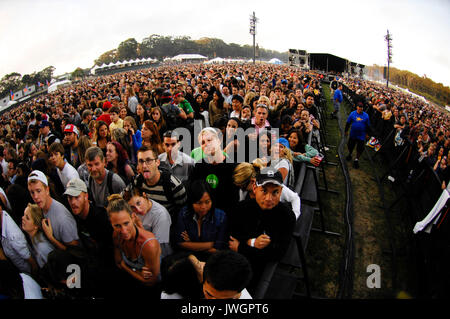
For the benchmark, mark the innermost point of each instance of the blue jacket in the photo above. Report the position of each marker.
(214, 227)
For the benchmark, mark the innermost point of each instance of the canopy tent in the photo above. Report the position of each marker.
(275, 61)
(188, 57)
(217, 60)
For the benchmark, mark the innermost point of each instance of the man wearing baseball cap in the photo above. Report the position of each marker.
(58, 224)
(94, 228)
(261, 227)
(46, 137)
(70, 142)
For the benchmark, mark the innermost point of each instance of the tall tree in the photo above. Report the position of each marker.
(127, 49)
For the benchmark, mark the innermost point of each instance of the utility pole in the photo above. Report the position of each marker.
(253, 21)
(388, 39)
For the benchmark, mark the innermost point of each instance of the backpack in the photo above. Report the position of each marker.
(170, 116)
(166, 175)
(109, 178)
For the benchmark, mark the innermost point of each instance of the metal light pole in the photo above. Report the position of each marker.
(388, 39)
(253, 21)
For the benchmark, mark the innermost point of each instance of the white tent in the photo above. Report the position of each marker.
(276, 61)
(217, 60)
(57, 85)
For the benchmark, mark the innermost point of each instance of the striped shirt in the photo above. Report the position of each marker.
(156, 192)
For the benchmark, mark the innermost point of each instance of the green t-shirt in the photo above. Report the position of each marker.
(197, 154)
(186, 106)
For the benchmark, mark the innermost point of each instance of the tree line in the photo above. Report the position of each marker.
(15, 81)
(159, 47)
(435, 92)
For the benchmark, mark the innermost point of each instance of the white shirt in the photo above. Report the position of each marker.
(67, 173)
(8, 205)
(14, 244)
(31, 288)
(244, 295)
(283, 163)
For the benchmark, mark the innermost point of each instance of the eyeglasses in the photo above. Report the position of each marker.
(147, 161)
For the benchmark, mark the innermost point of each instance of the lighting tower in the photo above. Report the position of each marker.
(253, 21)
(388, 39)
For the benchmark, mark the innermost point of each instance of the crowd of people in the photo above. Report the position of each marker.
(399, 118)
(96, 175)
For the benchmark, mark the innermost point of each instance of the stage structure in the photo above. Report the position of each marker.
(299, 58)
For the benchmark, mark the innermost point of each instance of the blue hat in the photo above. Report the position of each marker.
(283, 141)
(284, 81)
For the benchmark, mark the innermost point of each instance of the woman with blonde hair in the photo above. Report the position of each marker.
(282, 159)
(136, 251)
(32, 226)
(244, 177)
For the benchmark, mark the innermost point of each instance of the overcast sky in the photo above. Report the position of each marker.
(73, 33)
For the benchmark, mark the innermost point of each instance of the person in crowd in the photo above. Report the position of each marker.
(159, 184)
(157, 117)
(134, 136)
(150, 136)
(136, 250)
(116, 121)
(58, 224)
(282, 160)
(17, 285)
(14, 246)
(141, 116)
(337, 100)
(117, 161)
(216, 107)
(201, 227)
(244, 177)
(32, 226)
(226, 275)
(214, 168)
(65, 171)
(262, 227)
(102, 136)
(70, 143)
(360, 124)
(301, 151)
(83, 144)
(180, 163)
(102, 182)
(179, 277)
(96, 234)
(151, 216)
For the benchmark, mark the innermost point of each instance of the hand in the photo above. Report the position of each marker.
(185, 236)
(198, 265)
(262, 241)
(233, 244)
(47, 227)
(315, 161)
(146, 273)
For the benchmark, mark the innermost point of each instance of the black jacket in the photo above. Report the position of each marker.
(248, 221)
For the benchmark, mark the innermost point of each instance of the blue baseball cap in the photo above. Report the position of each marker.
(283, 141)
